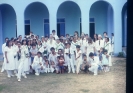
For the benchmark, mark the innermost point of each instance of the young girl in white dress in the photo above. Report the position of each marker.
(105, 61)
(15, 47)
(26, 59)
(9, 58)
(78, 58)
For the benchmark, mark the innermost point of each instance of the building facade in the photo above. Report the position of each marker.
(18, 17)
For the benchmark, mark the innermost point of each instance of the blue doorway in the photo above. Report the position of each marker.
(61, 27)
(46, 27)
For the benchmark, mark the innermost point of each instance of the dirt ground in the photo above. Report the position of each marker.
(110, 82)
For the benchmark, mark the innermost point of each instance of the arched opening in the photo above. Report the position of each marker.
(124, 25)
(101, 18)
(37, 19)
(7, 23)
(68, 18)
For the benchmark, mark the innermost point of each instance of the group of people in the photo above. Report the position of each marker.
(57, 54)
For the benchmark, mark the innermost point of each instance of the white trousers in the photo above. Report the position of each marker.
(21, 70)
(78, 63)
(94, 69)
(9, 72)
(37, 68)
(70, 65)
(110, 61)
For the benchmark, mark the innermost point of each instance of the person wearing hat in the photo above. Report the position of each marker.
(78, 58)
(93, 64)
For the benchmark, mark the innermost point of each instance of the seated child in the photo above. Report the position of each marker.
(93, 66)
(46, 64)
(61, 62)
(85, 64)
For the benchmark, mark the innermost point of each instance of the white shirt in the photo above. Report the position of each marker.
(55, 36)
(37, 60)
(79, 53)
(101, 44)
(53, 58)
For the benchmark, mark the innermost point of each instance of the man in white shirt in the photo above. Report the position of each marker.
(53, 60)
(99, 43)
(106, 35)
(54, 34)
(37, 64)
(3, 46)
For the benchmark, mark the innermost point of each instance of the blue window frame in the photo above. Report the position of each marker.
(27, 22)
(61, 21)
(92, 20)
(46, 27)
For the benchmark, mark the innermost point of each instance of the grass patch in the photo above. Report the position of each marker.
(2, 87)
(84, 90)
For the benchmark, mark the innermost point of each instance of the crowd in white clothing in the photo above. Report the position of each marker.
(57, 55)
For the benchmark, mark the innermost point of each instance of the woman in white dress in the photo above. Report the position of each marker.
(26, 59)
(15, 47)
(78, 58)
(107, 46)
(90, 47)
(9, 58)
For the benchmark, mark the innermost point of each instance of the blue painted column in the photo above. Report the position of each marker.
(117, 30)
(1, 34)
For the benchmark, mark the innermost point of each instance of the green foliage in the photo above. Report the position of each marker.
(121, 54)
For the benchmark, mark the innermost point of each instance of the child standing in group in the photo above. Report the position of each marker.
(33, 52)
(78, 59)
(105, 61)
(61, 62)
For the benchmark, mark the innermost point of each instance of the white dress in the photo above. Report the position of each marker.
(107, 46)
(15, 48)
(26, 59)
(90, 48)
(105, 60)
(10, 57)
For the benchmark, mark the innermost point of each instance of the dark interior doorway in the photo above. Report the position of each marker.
(58, 29)
(27, 29)
(92, 29)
